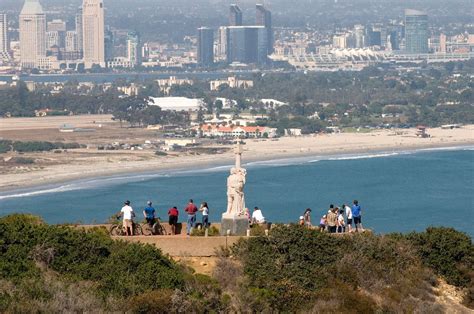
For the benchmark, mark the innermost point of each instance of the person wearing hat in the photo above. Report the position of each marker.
(307, 217)
(149, 214)
(127, 215)
(322, 223)
(301, 223)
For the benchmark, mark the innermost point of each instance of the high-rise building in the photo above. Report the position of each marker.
(53, 40)
(79, 30)
(340, 41)
(56, 26)
(3, 37)
(442, 43)
(93, 33)
(416, 31)
(134, 53)
(109, 45)
(205, 53)
(247, 44)
(32, 34)
(145, 52)
(221, 43)
(71, 41)
(359, 33)
(264, 18)
(235, 15)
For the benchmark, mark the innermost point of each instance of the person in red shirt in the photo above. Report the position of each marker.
(191, 209)
(173, 214)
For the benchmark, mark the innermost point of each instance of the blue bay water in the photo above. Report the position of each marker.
(399, 192)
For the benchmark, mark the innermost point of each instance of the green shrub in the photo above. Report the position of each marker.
(296, 269)
(157, 301)
(212, 231)
(257, 230)
(36, 146)
(5, 146)
(24, 147)
(22, 160)
(448, 252)
(160, 153)
(119, 268)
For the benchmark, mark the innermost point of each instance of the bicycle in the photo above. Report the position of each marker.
(117, 229)
(156, 229)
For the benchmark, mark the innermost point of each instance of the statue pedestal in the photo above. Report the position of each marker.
(237, 225)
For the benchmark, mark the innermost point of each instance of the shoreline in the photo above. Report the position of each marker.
(208, 163)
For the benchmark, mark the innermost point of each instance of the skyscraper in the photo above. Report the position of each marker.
(32, 34)
(247, 44)
(71, 41)
(264, 18)
(221, 43)
(93, 33)
(359, 32)
(3, 36)
(79, 30)
(134, 50)
(235, 15)
(416, 31)
(205, 53)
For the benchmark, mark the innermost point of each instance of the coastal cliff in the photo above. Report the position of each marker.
(52, 268)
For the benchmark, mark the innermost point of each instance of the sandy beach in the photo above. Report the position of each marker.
(93, 164)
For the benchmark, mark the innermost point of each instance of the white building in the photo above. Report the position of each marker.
(71, 41)
(52, 39)
(209, 130)
(93, 33)
(32, 35)
(166, 84)
(177, 103)
(272, 103)
(232, 82)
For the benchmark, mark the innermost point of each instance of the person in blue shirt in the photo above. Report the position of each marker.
(149, 213)
(357, 215)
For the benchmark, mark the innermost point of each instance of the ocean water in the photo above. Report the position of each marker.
(398, 192)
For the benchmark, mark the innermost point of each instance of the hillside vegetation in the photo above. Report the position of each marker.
(49, 268)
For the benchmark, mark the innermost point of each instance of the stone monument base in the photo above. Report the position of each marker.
(237, 225)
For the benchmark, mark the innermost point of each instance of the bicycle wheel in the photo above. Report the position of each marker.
(137, 230)
(115, 230)
(146, 229)
(161, 230)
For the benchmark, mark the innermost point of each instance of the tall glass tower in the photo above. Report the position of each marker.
(416, 31)
(235, 15)
(205, 53)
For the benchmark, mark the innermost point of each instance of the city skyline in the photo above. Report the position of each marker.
(84, 40)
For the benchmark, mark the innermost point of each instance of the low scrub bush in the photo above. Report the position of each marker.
(22, 160)
(5, 146)
(298, 269)
(34, 146)
(212, 231)
(448, 252)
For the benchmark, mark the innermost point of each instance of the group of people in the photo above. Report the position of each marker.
(338, 219)
(149, 213)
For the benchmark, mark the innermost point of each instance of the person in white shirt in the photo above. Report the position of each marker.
(205, 214)
(349, 216)
(127, 215)
(341, 226)
(257, 216)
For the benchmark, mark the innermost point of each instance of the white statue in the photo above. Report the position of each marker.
(235, 187)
